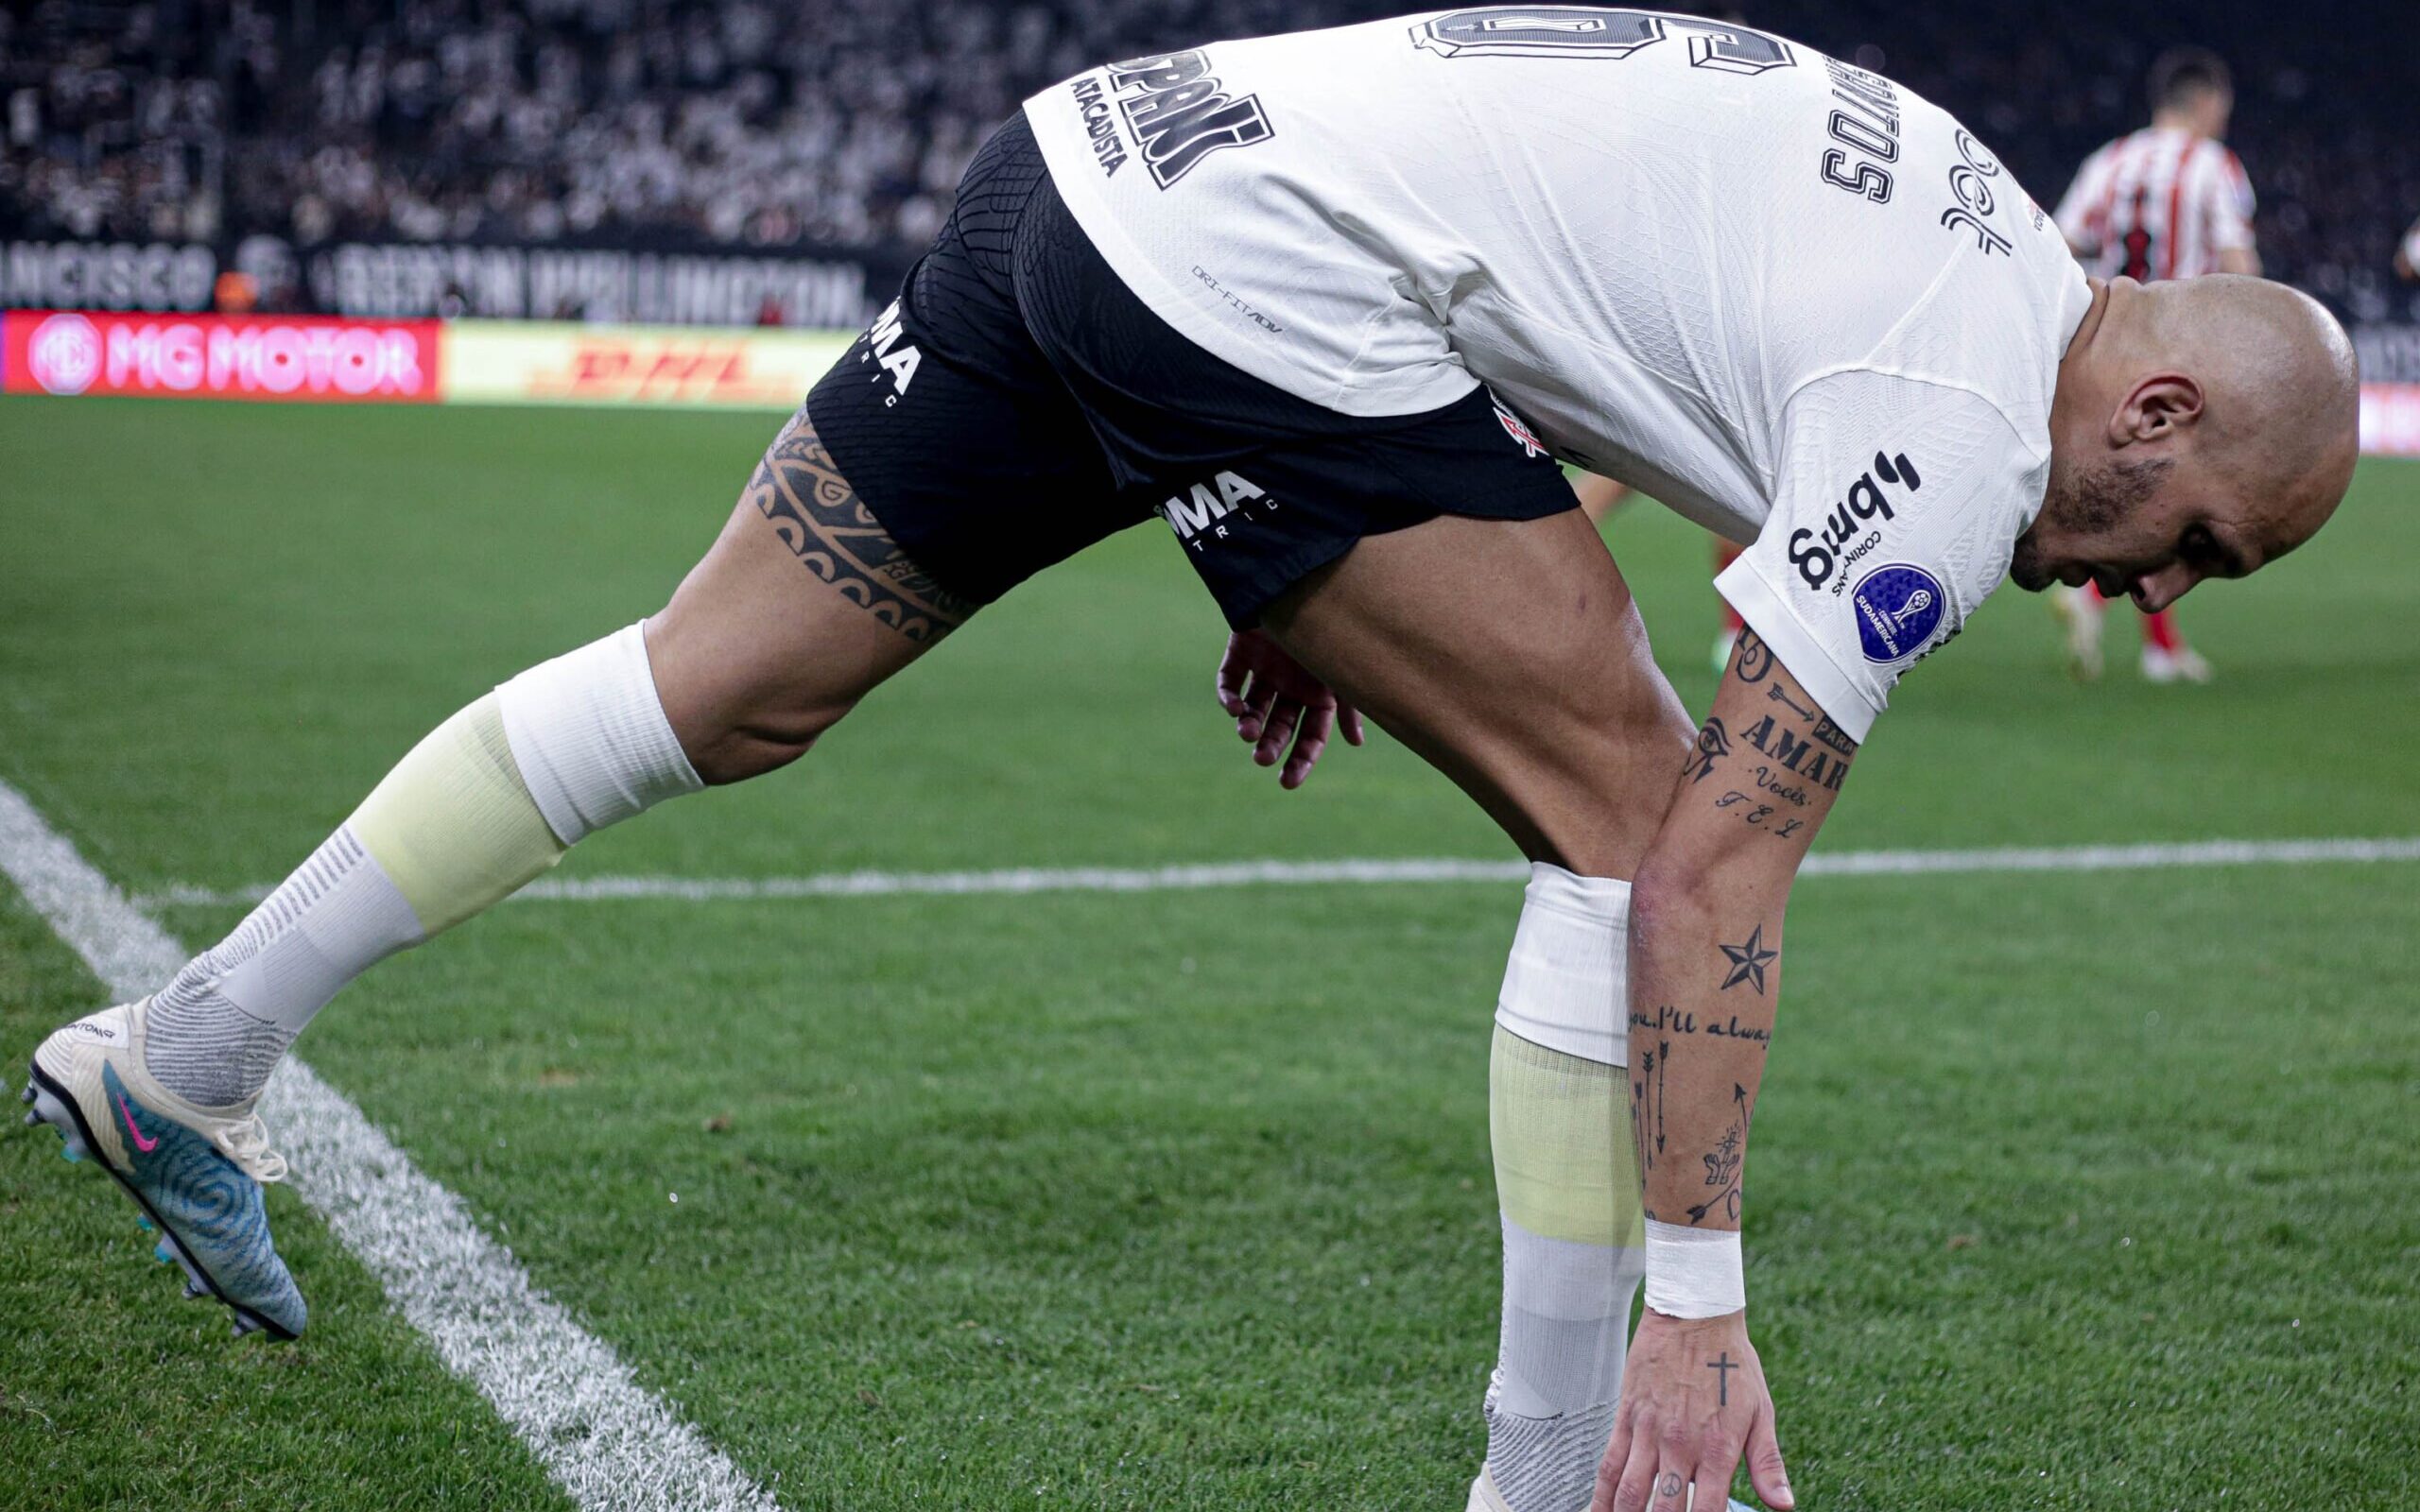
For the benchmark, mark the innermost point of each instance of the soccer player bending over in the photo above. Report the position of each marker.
(1332, 304)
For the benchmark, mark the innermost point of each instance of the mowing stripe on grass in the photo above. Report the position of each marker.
(609, 1441)
(1304, 873)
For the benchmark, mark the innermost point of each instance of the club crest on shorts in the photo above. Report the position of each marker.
(1898, 609)
(1530, 445)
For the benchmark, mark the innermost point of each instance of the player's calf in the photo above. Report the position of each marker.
(801, 606)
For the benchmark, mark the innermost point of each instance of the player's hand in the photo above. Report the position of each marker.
(1693, 1402)
(1273, 701)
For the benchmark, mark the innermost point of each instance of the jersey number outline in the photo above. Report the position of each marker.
(1595, 31)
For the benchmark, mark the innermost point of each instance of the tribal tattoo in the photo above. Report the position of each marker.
(829, 529)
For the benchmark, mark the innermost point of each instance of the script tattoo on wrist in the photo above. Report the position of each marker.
(799, 489)
(1723, 1164)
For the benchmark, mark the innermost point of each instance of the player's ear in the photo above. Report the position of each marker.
(2156, 408)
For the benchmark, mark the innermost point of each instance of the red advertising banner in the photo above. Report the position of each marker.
(288, 358)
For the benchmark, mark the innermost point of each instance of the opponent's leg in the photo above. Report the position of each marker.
(2166, 658)
(1511, 655)
(802, 605)
(2080, 615)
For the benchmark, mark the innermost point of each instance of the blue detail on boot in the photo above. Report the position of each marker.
(215, 1209)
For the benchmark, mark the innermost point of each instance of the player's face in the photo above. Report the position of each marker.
(2139, 529)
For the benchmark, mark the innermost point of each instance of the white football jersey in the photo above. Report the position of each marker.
(1788, 297)
(2159, 204)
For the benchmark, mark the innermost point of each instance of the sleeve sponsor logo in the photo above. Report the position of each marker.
(1843, 536)
(1179, 113)
(1898, 608)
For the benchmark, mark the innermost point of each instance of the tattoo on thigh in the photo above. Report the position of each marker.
(829, 529)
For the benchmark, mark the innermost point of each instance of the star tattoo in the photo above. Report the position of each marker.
(1748, 962)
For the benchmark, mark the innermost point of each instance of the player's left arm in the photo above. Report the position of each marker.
(1705, 974)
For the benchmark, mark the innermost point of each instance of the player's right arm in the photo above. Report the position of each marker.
(1898, 504)
(1705, 974)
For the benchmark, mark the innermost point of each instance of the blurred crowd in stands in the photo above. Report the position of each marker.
(844, 124)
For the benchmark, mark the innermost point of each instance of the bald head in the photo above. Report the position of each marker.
(2281, 392)
(2202, 428)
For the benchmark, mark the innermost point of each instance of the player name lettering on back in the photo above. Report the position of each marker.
(1179, 113)
(1868, 125)
(1818, 554)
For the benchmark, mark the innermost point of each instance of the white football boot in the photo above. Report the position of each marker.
(194, 1172)
(2183, 664)
(2080, 616)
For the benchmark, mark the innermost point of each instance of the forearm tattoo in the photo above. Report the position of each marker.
(1723, 1164)
(1647, 1104)
(1747, 961)
(829, 529)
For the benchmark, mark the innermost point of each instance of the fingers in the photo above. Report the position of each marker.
(1766, 1472)
(1671, 1489)
(1253, 722)
(1348, 720)
(1233, 674)
(1712, 1488)
(1636, 1489)
(1617, 1460)
(1284, 718)
(1317, 723)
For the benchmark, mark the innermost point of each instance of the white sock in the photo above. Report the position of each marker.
(489, 800)
(1573, 1230)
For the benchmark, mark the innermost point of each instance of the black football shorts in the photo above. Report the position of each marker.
(1019, 402)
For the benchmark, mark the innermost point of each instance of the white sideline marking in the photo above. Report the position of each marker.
(1300, 873)
(605, 1438)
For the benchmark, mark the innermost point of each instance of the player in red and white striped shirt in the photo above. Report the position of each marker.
(2166, 201)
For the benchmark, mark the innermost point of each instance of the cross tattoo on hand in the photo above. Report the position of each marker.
(1722, 1370)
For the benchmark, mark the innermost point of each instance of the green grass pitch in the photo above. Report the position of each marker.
(2068, 1190)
